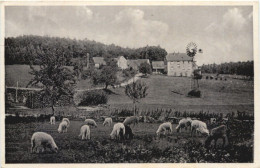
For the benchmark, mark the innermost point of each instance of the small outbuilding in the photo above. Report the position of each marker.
(158, 67)
(99, 61)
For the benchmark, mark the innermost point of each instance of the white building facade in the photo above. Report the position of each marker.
(179, 64)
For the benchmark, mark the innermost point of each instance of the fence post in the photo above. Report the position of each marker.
(16, 92)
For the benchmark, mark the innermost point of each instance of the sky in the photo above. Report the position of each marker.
(224, 33)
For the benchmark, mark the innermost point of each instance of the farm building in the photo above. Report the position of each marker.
(121, 62)
(158, 67)
(136, 63)
(179, 64)
(98, 61)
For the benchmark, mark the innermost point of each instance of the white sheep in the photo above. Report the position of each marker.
(90, 122)
(164, 127)
(84, 132)
(52, 120)
(43, 139)
(108, 121)
(216, 133)
(184, 123)
(131, 120)
(118, 127)
(67, 120)
(63, 127)
(199, 126)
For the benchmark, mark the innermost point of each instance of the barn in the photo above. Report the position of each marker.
(134, 64)
(121, 62)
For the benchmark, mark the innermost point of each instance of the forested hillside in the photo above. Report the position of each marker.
(24, 49)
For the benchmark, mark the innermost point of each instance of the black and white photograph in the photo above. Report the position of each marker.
(129, 83)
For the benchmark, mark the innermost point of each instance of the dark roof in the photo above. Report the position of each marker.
(158, 65)
(178, 57)
(99, 60)
(137, 62)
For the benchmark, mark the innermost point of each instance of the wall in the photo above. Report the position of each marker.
(179, 68)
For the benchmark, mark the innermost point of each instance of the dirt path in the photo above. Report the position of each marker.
(134, 79)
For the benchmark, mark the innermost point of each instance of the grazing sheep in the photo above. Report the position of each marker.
(67, 120)
(116, 131)
(108, 121)
(167, 126)
(43, 139)
(131, 120)
(184, 123)
(200, 126)
(52, 120)
(128, 132)
(63, 127)
(90, 122)
(213, 120)
(215, 134)
(84, 132)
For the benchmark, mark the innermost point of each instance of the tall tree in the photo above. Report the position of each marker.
(107, 75)
(57, 80)
(145, 68)
(135, 92)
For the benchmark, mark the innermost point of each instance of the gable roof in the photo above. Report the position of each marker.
(137, 62)
(158, 65)
(119, 57)
(178, 57)
(99, 60)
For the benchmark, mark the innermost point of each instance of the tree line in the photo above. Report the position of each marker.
(25, 50)
(237, 68)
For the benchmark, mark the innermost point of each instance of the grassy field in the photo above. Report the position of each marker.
(217, 95)
(145, 147)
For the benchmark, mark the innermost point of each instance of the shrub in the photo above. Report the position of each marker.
(129, 72)
(194, 93)
(145, 68)
(94, 97)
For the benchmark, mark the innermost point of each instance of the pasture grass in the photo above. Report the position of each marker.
(145, 147)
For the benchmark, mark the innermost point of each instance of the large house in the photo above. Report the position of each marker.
(98, 61)
(121, 62)
(179, 64)
(136, 63)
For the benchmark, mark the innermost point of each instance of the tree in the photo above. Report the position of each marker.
(135, 92)
(107, 74)
(57, 80)
(145, 68)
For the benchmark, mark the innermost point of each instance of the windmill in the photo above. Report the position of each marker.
(191, 51)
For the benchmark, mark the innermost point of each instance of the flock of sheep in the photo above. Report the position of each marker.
(124, 131)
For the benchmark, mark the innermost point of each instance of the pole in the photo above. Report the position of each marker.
(16, 92)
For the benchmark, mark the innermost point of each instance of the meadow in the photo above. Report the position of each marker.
(167, 93)
(146, 147)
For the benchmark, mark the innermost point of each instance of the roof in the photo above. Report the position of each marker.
(117, 58)
(137, 62)
(99, 60)
(178, 57)
(158, 65)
